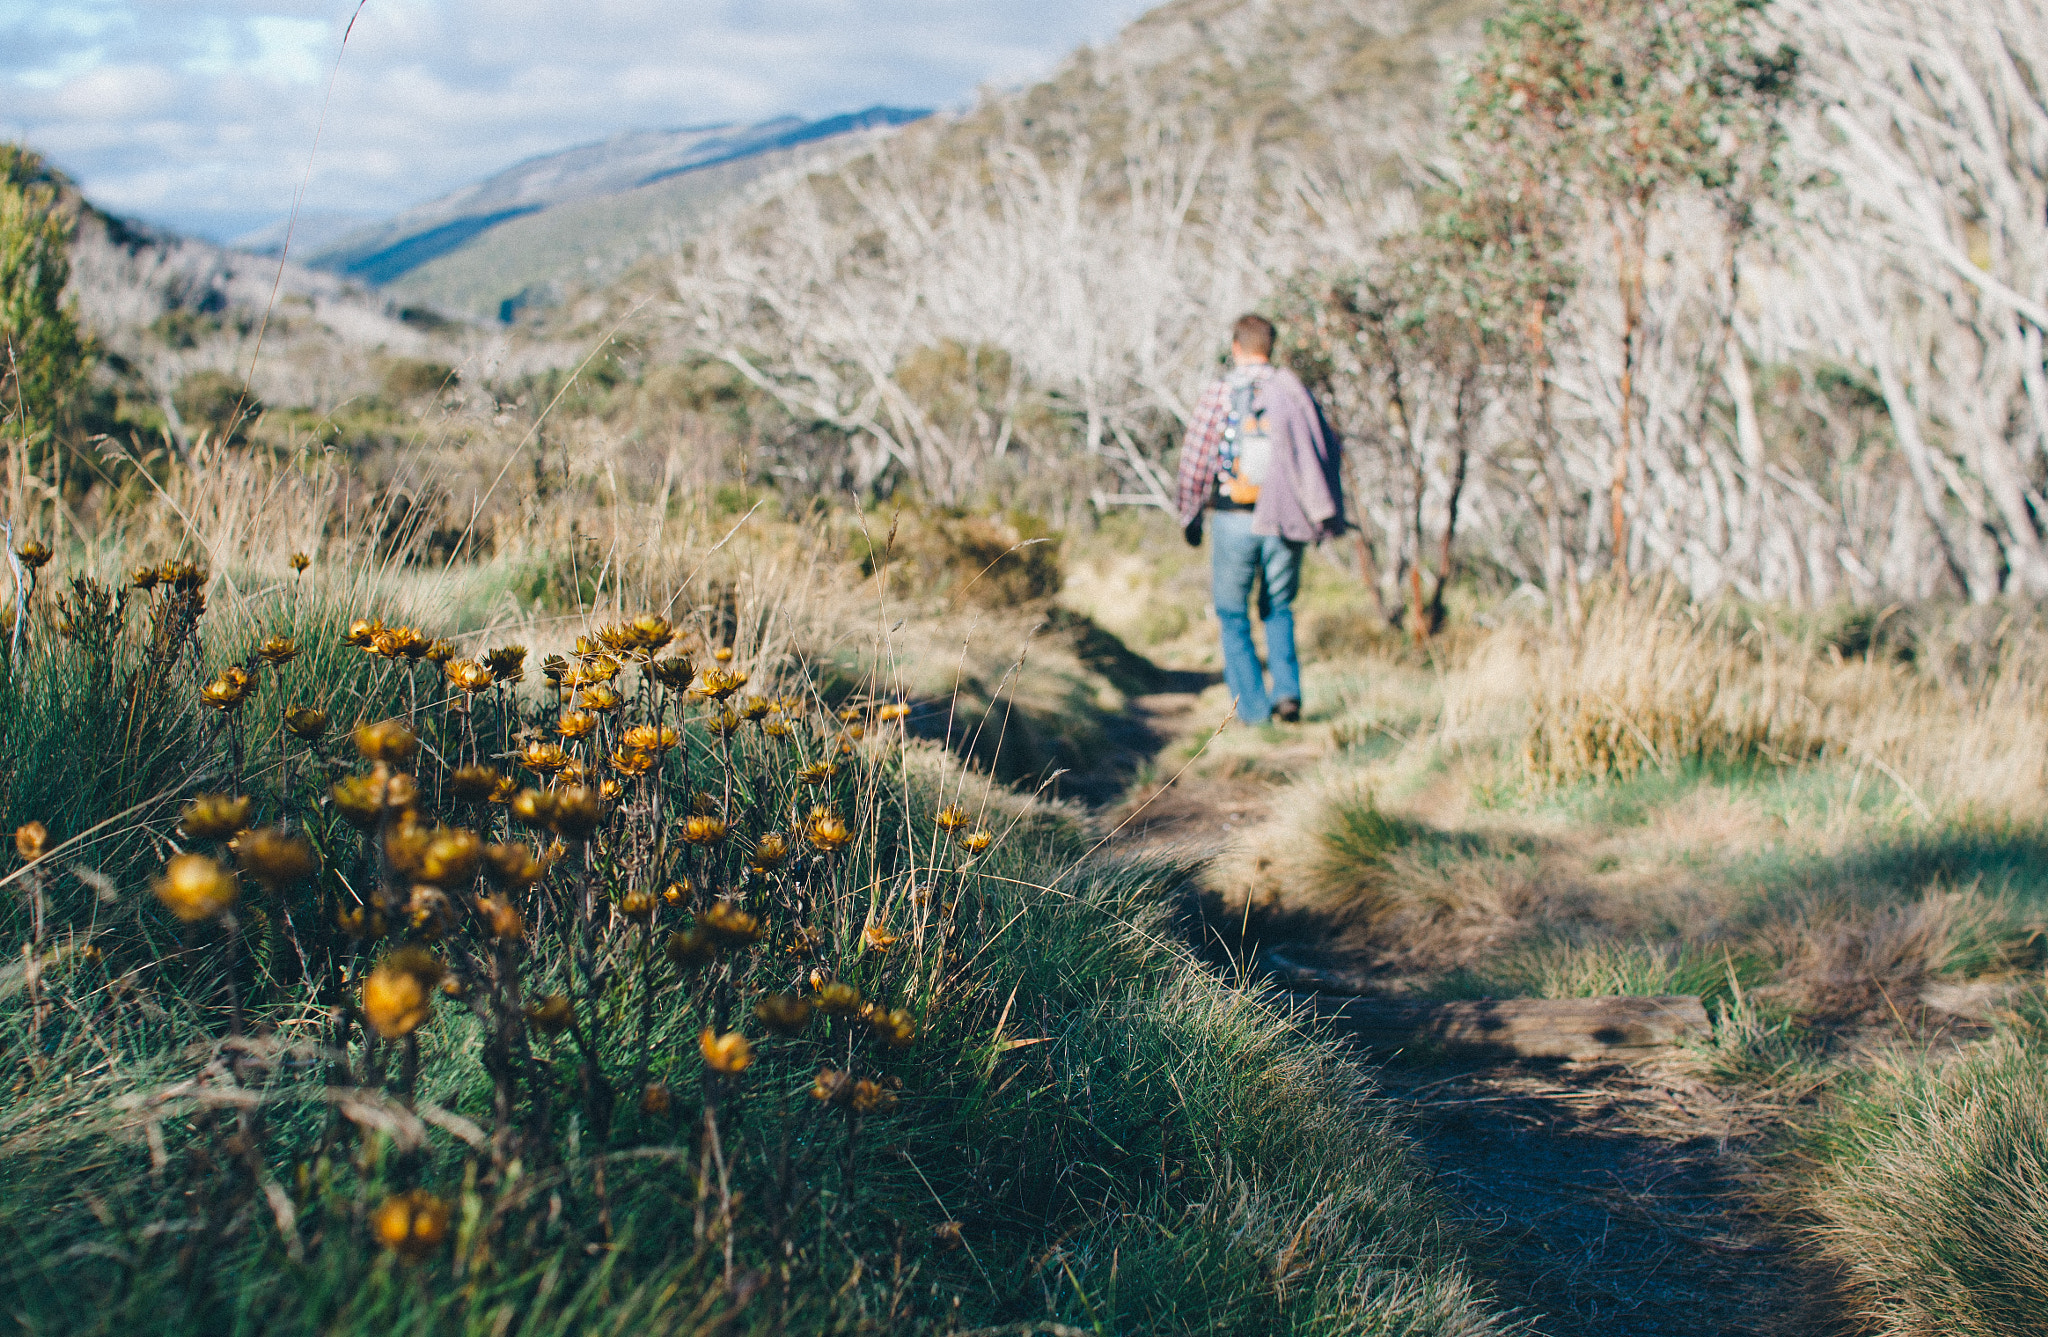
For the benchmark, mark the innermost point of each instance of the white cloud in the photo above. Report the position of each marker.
(202, 112)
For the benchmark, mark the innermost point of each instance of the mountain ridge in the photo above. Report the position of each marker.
(722, 155)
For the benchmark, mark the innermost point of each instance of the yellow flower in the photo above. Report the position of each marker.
(648, 738)
(439, 652)
(977, 841)
(405, 845)
(398, 996)
(411, 1225)
(575, 724)
(875, 937)
(214, 817)
(185, 575)
(725, 724)
(674, 672)
(626, 761)
(775, 728)
(754, 708)
(300, 561)
(451, 857)
(690, 949)
(543, 758)
(651, 632)
(507, 663)
(387, 741)
(770, 853)
(677, 894)
(533, 807)
(275, 857)
(306, 722)
(703, 831)
(817, 773)
(611, 791)
(224, 693)
(832, 1086)
(512, 866)
(364, 799)
(723, 654)
(551, 1013)
(31, 839)
(827, 830)
(729, 924)
(836, 998)
(361, 922)
(473, 784)
(871, 1098)
(432, 914)
(895, 710)
(895, 1028)
(143, 577)
(466, 675)
(33, 554)
(952, 817)
(502, 919)
(718, 683)
(600, 698)
(729, 1053)
(783, 1014)
(637, 905)
(578, 812)
(278, 650)
(194, 887)
(363, 632)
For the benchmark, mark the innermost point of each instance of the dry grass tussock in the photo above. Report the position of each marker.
(1648, 684)
(1929, 1193)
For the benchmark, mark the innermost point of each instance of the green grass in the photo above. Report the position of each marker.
(1126, 1144)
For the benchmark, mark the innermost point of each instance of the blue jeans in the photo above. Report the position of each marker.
(1239, 558)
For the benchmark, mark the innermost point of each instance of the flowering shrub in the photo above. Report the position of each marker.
(375, 978)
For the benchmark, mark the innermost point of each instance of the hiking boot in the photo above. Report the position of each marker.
(1287, 711)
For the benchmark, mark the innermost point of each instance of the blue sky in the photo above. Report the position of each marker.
(201, 113)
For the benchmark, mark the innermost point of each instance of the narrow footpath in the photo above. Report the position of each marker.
(1605, 1198)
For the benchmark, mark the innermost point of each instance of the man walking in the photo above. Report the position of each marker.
(1260, 457)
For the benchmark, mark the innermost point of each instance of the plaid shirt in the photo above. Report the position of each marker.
(1201, 451)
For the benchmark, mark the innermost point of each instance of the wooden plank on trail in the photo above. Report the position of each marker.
(1518, 1027)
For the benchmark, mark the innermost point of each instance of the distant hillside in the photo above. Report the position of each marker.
(575, 217)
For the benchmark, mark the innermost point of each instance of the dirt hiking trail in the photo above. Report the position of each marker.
(1603, 1198)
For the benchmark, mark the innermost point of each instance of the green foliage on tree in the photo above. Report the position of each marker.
(43, 357)
(1587, 111)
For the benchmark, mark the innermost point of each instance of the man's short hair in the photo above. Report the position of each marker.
(1254, 334)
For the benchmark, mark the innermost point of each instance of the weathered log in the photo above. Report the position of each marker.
(1518, 1027)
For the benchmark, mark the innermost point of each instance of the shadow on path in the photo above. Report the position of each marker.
(1611, 1200)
